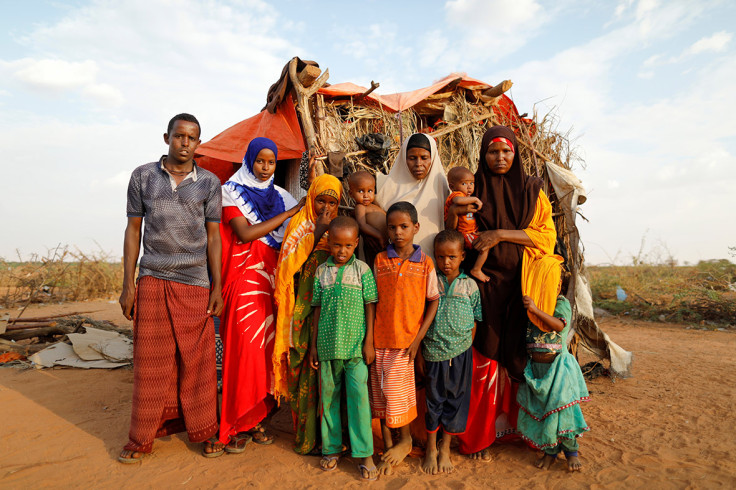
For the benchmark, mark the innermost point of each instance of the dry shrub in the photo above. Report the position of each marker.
(62, 274)
(701, 293)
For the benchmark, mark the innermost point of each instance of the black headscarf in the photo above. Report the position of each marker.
(418, 140)
(509, 202)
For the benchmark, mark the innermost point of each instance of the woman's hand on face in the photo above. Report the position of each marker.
(298, 206)
(487, 240)
(324, 218)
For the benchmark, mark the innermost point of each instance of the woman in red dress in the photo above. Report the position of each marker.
(254, 216)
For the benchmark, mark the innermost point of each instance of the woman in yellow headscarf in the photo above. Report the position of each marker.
(304, 248)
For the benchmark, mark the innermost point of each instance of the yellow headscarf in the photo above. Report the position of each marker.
(297, 245)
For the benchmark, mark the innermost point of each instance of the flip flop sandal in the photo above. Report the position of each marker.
(215, 453)
(259, 436)
(132, 460)
(328, 460)
(238, 443)
(362, 467)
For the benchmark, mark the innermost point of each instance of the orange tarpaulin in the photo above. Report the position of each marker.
(224, 153)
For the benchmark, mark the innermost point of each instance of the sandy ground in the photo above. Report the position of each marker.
(669, 426)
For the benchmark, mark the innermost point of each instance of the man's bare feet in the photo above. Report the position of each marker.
(545, 461)
(429, 463)
(478, 274)
(384, 468)
(368, 470)
(212, 448)
(127, 456)
(483, 455)
(573, 462)
(443, 460)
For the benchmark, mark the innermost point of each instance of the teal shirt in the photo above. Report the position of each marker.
(342, 292)
(451, 332)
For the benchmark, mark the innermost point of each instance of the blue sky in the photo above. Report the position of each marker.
(646, 88)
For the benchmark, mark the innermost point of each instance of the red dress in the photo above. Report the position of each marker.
(247, 329)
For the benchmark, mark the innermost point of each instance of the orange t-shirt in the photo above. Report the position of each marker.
(466, 222)
(404, 287)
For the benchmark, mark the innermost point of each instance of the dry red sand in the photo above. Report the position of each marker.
(669, 426)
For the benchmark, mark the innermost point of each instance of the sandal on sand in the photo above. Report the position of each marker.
(218, 448)
(238, 443)
(363, 468)
(259, 436)
(326, 463)
(132, 459)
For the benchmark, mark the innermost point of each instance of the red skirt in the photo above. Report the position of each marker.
(174, 378)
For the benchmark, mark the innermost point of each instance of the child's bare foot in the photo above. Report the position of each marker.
(368, 470)
(483, 455)
(396, 454)
(546, 461)
(443, 460)
(429, 463)
(573, 462)
(384, 468)
(478, 274)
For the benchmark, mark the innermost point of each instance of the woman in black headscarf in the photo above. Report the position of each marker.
(515, 224)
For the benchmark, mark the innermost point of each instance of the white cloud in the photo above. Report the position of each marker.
(715, 43)
(54, 75)
(504, 25)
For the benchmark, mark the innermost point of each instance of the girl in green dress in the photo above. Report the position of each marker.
(550, 417)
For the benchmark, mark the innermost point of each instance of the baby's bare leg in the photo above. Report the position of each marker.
(477, 271)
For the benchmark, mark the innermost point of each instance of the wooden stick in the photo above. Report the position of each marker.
(26, 326)
(498, 90)
(46, 318)
(303, 95)
(374, 86)
(26, 350)
(36, 332)
(455, 127)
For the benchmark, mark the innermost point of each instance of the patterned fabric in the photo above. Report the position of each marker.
(541, 341)
(303, 380)
(466, 222)
(297, 246)
(174, 235)
(451, 332)
(393, 393)
(218, 353)
(342, 292)
(247, 329)
(404, 287)
(258, 201)
(353, 375)
(447, 389)
(493, 409)
(550, 399)
(174, 380)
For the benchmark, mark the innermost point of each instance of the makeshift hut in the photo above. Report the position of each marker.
(347, 128)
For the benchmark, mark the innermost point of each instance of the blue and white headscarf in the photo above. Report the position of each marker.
(258, 201)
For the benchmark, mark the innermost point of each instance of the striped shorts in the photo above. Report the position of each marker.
(392, 392)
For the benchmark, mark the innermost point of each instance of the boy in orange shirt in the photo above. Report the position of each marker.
(461, 216)
(407, 303)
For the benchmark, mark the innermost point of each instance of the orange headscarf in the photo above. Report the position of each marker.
(297, 246)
